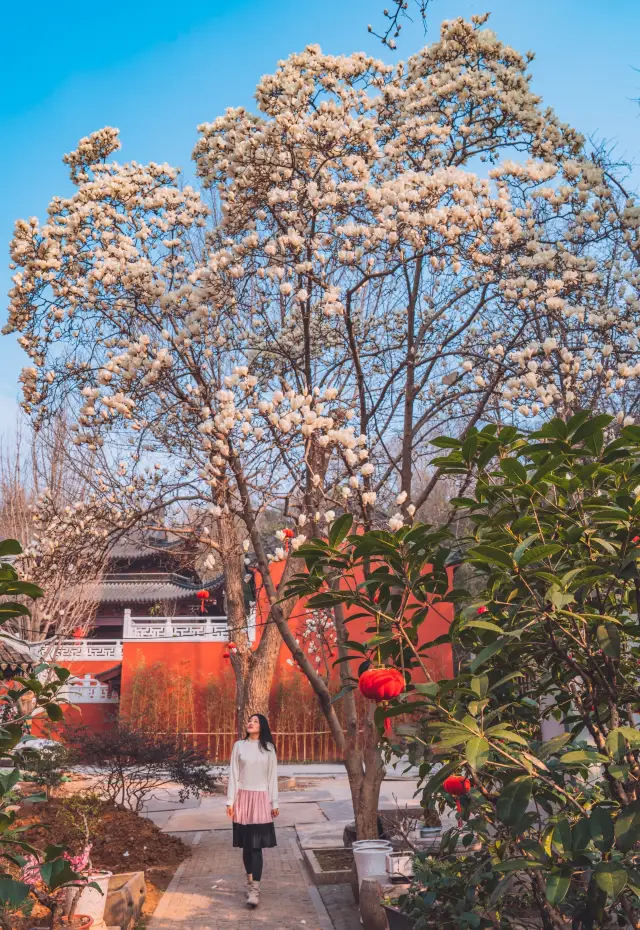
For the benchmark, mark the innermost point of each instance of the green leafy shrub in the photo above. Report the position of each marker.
(552, 632)
(38, 690)
(47, 767)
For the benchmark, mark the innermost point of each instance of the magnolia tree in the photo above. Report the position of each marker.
(65, 531)
(292, 336)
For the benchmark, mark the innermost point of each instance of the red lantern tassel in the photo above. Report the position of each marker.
(387, 726)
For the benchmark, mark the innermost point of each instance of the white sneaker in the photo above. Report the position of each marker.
(253, 898)
(249, 887)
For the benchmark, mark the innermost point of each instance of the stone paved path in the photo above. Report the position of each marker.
(208, 890)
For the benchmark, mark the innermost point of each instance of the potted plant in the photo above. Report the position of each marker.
(395, 917)
(431, 826)
(52, 880)
(89, 896)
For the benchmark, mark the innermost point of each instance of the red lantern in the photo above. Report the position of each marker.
(202, 597)
(288, 534)
(381, 684)
(79, 633)
(225, 655)
(483, 609)
(457, 786)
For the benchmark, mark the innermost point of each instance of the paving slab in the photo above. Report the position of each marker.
(160, 818)
(321, 835)
(342, 909)
(154, 805)
(337, 810)
(305, 795)
(208, 890)
(210, 816)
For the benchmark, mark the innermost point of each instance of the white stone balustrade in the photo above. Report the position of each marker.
(87, 690)
(79, 650)
(187, 629)
(147, 629)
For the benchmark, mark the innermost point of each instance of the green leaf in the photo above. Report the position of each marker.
(13, 892)
(486, 653)
(54, 712)
(10, 547)
(582, 757)
(480, 685)
(590, 427)
(627, 829)
(491, 555)
(553, 745)
(610, 877)
(580, 836)
(633, 881)
(11, 609)
(609, 640)
(482, 625)
(620, 772)
(557, 886)
(516, 865)
(56, 872)
(514, 470)
(477, 752)
(340, 528)
(561, 837)
(523, 546)
(538, 553)
(503, 731)
(512, 803)
(430, 688)
(343, 691)
(601, 829)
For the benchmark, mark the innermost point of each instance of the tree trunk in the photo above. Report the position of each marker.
(253, 664)
(362, 757)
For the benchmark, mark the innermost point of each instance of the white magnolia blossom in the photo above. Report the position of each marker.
(401, 252)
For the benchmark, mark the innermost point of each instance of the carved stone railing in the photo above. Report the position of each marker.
(136, 629)
(87, 690)
(79, 650)
(183, 628)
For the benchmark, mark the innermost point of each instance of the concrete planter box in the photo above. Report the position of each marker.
(396, 919)
(321, 876)
(125, 900)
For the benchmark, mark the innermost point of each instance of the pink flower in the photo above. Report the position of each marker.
(80, 862)
(30, 874)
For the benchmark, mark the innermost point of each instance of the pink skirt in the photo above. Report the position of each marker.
(252, 807)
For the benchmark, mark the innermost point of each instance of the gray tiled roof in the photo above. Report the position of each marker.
(144, 590)
(140, 591)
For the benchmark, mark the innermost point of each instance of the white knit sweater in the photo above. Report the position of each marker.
(253, 769)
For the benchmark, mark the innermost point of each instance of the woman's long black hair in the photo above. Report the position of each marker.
(267, 741)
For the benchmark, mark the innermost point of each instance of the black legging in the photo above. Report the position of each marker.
(252, 859)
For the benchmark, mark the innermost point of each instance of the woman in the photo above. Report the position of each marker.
(252, 799)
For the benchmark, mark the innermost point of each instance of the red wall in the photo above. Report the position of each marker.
(440, 659)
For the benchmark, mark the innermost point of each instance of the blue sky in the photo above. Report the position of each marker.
(156, 69)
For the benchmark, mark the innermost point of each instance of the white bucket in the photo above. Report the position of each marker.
(370, 858)
(91, 902)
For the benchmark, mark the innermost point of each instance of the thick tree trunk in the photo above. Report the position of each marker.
(362, 758)
(254, 663)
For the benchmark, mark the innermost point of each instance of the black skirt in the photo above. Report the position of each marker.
(254, 835)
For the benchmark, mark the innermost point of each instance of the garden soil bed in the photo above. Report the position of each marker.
(126, 842)
(334, 860)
